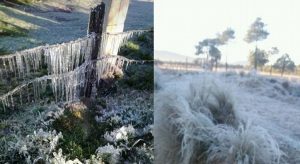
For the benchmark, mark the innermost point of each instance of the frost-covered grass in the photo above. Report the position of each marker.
(115, 129)
(57, 21)
(225, 118)
(25, 136)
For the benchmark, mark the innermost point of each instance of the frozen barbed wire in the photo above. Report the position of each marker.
(58, 58)
(112, 42)
(67, 64)
(63, 57)
(65, 86)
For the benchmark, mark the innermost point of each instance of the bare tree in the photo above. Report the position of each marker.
(254, 34)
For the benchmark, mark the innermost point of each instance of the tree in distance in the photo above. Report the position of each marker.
(254, 34)
(210, 46)
(261, 57)
(284, 63)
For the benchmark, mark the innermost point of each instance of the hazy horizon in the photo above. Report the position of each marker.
(180, 26)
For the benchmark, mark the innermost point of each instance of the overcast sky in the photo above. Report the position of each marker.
(180, 25)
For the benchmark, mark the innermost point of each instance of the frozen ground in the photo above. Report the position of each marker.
(271, 103)
(59, 21)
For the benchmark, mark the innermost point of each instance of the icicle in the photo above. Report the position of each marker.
(19, 65)
(3, 104)
(10, 64)
(28, 96)
(12, 101)
(1, 73)
(67, 57)
(111, 43)
(67, 65)
(24, 63)
(21, 100)
(64, 58)
(4, 64)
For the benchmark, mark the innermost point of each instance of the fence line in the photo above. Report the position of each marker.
(76, 63)
(66, 64)
(185, 66)
(70, 80)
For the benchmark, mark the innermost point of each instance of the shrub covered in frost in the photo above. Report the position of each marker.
(36, 146)
(120, 134)
(247, 144)
(109, 152)
(202, 127)
(214, 102)
(58, 157)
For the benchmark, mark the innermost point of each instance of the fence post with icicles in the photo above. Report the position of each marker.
(95, 26)
(70, 67)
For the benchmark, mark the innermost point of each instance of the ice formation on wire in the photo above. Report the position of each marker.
(111, 43)
(67, 66)
(59, 58)
(64, 87)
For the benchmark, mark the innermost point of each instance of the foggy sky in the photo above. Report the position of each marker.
(180, 25)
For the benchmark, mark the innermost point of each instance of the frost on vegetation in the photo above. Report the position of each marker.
(274, 88)
(247, 144)
(123, 113)
(37, 145)
(58, 157)
(122, 133)
(214, 102)
(52, 113)
(110, 151)
(296, 90)
(133, 120)
(130, 139)
(230, 73)
(202, 127)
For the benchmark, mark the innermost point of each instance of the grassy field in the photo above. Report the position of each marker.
(266, 109)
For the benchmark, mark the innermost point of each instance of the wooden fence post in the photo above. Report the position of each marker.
(114, 22)
(95, 26)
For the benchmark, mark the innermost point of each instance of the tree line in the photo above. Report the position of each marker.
(257, 57)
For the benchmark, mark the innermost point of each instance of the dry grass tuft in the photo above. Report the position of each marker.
(203, 128)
